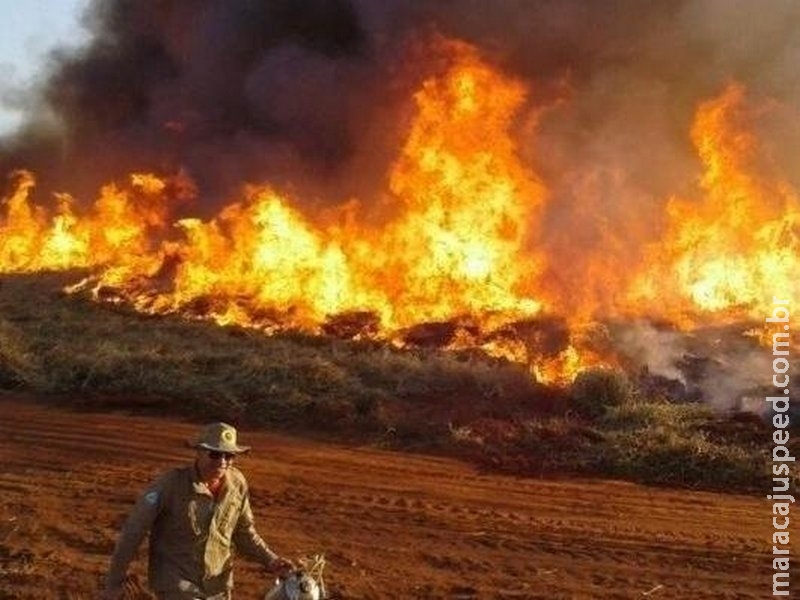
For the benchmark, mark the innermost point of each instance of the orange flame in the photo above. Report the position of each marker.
(469, 202)
(466, 204)
(120, 224)
(456, 248)
(729, 253)
(468, 212)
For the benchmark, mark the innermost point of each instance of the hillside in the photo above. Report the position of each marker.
(82, 354)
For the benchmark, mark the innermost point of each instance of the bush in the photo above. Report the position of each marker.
(683, 457)
(18, 366)
(594, 391)
(638, 413)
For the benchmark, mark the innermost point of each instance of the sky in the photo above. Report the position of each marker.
(31, 28)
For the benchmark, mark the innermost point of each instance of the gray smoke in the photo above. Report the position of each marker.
(719, 365)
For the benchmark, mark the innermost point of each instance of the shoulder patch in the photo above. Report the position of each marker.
(151, 498)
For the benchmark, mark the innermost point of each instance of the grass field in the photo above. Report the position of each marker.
(108, 357)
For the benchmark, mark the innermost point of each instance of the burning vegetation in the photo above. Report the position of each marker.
(455, 260)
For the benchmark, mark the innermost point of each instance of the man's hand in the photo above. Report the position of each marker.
(281, 567)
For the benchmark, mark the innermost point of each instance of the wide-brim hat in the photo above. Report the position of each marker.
(219, 437)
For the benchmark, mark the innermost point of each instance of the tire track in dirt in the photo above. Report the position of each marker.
(392, 526)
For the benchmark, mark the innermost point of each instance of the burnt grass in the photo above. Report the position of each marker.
(76, 353)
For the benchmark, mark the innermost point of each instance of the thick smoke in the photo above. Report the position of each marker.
(230, 91)
(313, 94)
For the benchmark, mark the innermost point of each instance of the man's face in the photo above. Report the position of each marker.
(212, 464)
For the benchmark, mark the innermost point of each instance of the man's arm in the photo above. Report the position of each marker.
(248, 541)
(133, 532)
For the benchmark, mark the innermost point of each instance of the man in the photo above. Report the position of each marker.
(194, 515)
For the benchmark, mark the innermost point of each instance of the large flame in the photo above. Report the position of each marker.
(120, 224)
(466, 209)
(728, 254)
(456, 248)
(468, 202)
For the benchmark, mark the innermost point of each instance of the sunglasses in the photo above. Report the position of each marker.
(214, 455)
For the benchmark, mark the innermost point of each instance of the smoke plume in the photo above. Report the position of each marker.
(309, 94)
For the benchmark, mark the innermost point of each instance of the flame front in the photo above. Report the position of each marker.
(466, 205)
(460, 244)
(120, 224)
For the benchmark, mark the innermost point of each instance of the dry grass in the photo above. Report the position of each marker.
(106, 355)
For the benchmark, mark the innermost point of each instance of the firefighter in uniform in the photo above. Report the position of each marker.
(196, 515)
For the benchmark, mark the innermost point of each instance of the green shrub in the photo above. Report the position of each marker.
(18, 366)
(636, 414)
(682, 457)
(595, 391)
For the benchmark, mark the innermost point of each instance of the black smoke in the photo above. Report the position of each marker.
(313, 95)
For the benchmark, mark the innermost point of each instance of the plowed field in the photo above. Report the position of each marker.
(392, 526)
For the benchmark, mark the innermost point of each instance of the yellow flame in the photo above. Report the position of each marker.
(459, 248)
(730, 252)
(467, 212)
(456, 247)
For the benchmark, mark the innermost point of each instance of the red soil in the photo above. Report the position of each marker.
(392, 526)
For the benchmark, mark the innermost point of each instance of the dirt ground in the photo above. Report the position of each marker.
(391, 526)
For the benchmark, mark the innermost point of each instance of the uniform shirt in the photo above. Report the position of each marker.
(192, 534)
